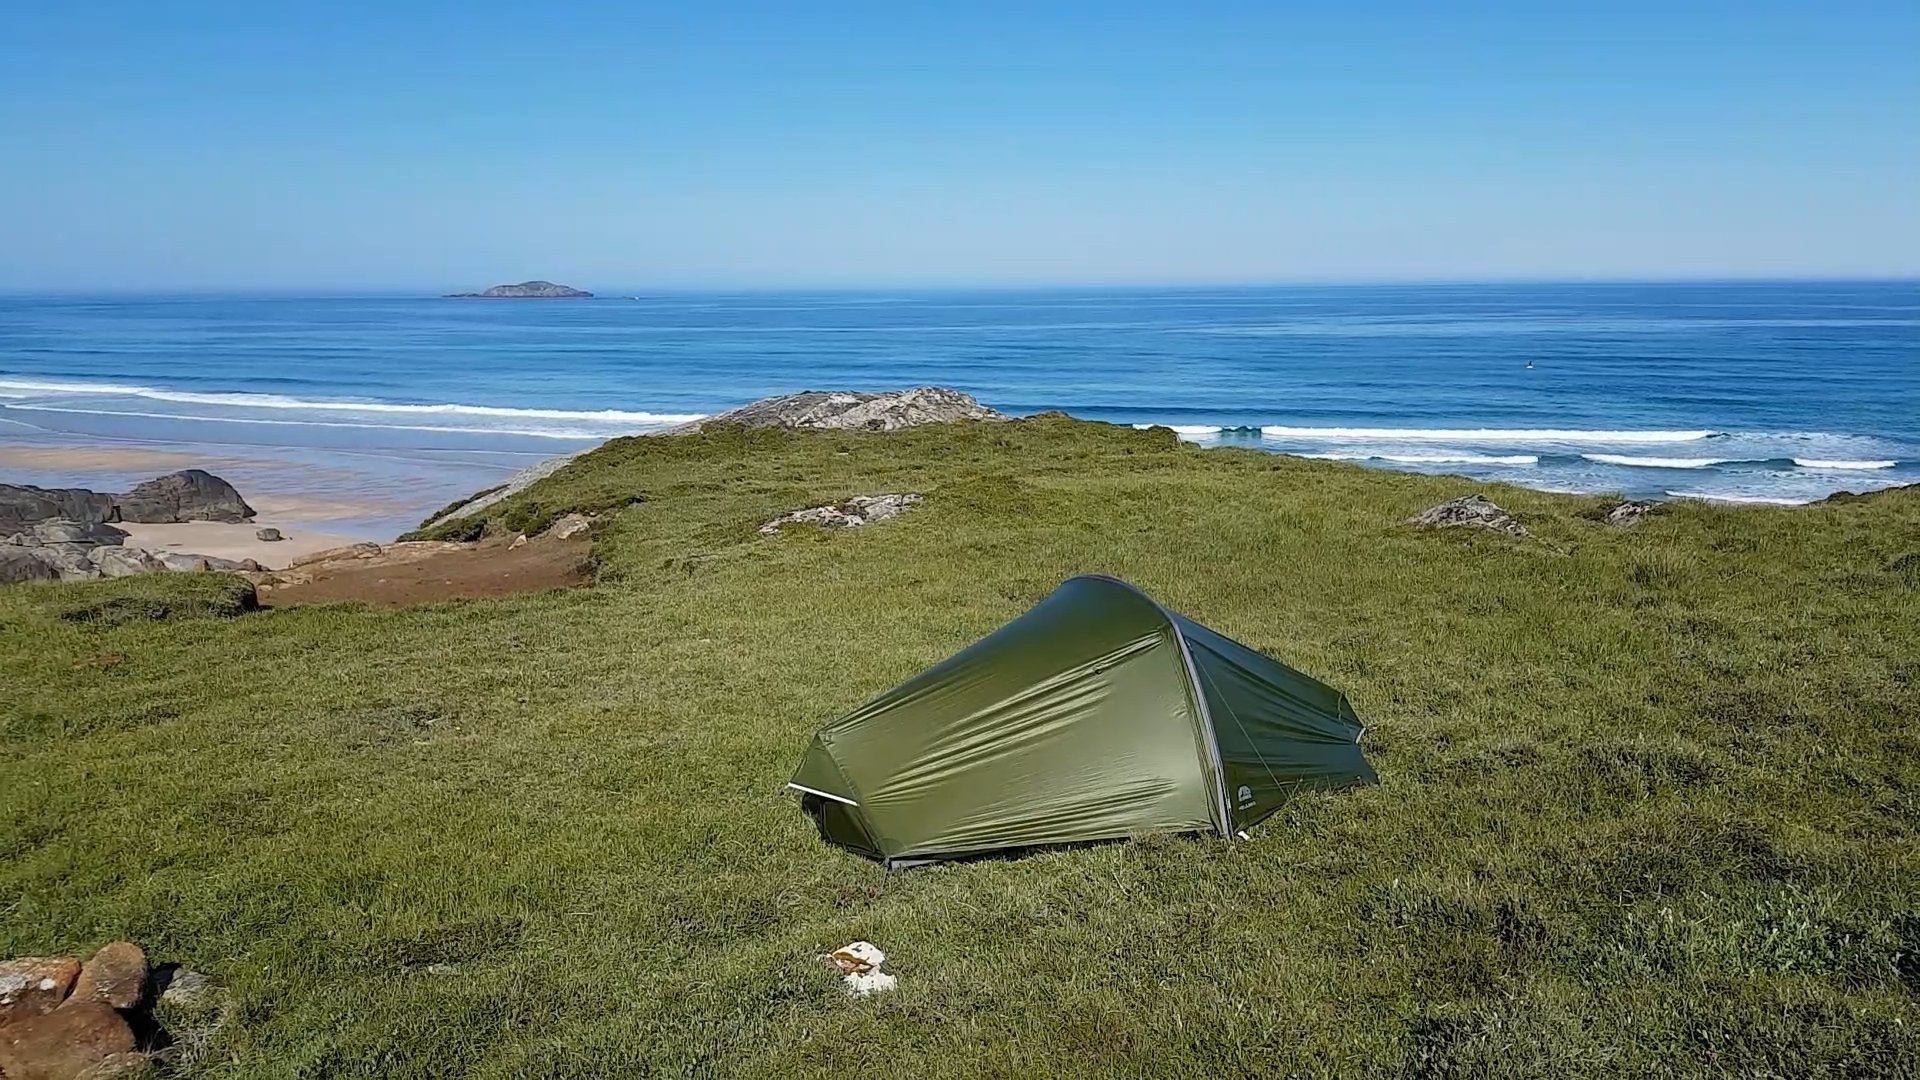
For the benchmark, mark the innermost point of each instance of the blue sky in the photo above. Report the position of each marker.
(431, 146)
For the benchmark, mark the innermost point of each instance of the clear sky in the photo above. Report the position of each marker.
(423, 145)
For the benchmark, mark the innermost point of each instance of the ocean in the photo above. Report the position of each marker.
(370, 411)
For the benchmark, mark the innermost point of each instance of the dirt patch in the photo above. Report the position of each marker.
(417, 573)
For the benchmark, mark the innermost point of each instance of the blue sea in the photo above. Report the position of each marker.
(367, 412)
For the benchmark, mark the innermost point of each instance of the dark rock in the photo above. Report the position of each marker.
(116, 976)
(73, 562)
(526, 290)
(62, 531)
(853, 410)
(63, 1044)
(859, 510)
(267, 534)
(33, 985)
(23, 505)
(19, 564)
(189, 495)
(1476, 511)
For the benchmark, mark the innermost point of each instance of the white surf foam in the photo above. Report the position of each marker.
(549, 433)
(1769, 500)
(1485, 435)
(1184, 429)
(1816, 463)
(1433, 459)
(1656, 462)
(278, 401)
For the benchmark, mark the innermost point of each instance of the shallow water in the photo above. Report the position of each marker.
(387, 407)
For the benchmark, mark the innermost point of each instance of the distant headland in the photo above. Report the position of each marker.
(526, 290)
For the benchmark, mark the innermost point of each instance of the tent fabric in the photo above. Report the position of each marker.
(1097, 715)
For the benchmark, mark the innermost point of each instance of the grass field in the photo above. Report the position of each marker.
(1649, 799)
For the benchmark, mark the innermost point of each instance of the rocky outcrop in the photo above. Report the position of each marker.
(847, 409)
(23, 505)
(859, 510)
(853, 410)
(1472, 511)
(189, 495)
(1626, 512)
(526, 290)
(73, 551)
(60, 1020)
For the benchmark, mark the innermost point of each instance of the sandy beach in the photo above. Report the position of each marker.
(236, 542)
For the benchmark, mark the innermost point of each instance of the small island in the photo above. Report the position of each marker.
(526, 290)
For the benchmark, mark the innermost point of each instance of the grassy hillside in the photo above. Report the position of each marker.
(1650, 798)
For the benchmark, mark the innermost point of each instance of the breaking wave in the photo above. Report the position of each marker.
(278, 401)
(1816, 463)
(1657, 462)
(1433, 459)
(1486, 435)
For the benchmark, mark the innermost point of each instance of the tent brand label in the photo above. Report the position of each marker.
(1246, 796)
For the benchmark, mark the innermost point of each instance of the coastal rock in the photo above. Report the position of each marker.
(187, 562)
(18, 564)
(32, 985)
(63, 531)
(63, 1044)
(1476, 511)
(859, 510)
(188, 495)
(73, 562)
(267, 535)
(123, 561)
(23, 505)
(853, 410)
(1626, 512)
(570, 526)
(526, 290)
(116, 976)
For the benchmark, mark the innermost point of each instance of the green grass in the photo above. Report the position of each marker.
(1649, 799)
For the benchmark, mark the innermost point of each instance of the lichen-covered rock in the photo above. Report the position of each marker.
(123, 561)
(859, 510)
(1475, 511)
(853, 410)
(32, 985)
(116, 975)
(570, 526)
(1627, 511)
(63, 531)
(63, 1044)
(268, 535)
(19, 564)
(188, 495)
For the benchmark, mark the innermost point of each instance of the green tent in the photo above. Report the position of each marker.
(1097, 715)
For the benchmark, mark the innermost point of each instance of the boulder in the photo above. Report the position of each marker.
(1476, 511)
(62, 531)
(570, 526)
(123, 561)
(853, 410)
(33, 985)
(19, 564)
(63, 1044)
(859, 510)
(23, 505)
(268, 535)
(183, 987)
(116, 976)
(73, 562)
(1626, 512)
(187, 561)
(189, 495)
